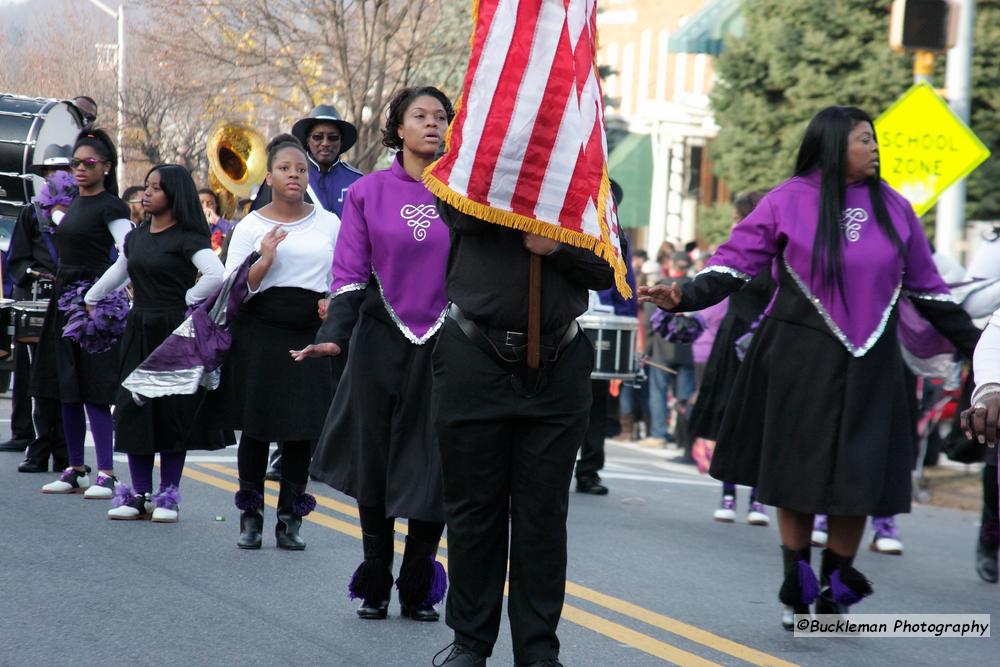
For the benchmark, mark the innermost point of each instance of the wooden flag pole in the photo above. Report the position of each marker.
(534, 311)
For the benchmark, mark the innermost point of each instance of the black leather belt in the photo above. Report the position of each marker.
(512, 346)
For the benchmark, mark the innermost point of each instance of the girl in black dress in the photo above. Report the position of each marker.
(85, 383)
(745, 307)
(162, 258)
(264, 393)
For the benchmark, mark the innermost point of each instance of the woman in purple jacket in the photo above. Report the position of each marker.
(818, 419)
(378, 444)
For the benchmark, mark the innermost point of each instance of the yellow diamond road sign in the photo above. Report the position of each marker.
(924, 147)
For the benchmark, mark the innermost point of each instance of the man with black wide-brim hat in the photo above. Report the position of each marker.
(36, 428)
(326, 136)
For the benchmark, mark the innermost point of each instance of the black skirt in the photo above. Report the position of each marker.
(717, 382)
(815, 429)
(263, 391)
(379, 445)
(163, 424)
(61, 369)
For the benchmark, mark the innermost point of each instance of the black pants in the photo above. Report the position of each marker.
(592, 451)
(251, 459)
(21, 427)
(507, 462)
(45, 417)
(989, 531)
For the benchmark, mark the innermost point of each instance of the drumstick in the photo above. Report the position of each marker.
(649, 362)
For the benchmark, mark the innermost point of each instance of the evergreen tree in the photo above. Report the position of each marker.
(983, 199)
(798, 56)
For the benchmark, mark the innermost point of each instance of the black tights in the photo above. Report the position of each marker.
(989, 532)
(251, 459)
(374, 522)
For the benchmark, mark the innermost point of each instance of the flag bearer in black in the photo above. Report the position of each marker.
(509, 435)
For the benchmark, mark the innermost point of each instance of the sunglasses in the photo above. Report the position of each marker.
(329, 136)
(87, 163)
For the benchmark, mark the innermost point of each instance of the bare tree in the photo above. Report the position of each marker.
(168, 107)
(280, 58)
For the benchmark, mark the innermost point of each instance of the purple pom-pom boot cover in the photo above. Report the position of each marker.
(372, 580)
(800, 586)
(250, 501)
(422, 580)
(843, 585)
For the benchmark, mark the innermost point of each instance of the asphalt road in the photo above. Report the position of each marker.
(653, 581)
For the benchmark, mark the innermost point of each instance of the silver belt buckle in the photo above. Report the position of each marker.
(507, 340)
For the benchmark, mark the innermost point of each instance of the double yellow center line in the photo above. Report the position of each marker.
(614, 631)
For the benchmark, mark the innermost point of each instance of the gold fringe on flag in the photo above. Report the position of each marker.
(602, 247)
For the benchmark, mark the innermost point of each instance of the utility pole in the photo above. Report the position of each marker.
(119, 16)
(950, 223)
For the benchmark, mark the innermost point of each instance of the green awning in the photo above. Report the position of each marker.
(631, 165)
(705, 32)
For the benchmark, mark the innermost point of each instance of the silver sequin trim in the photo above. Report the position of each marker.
(152, 384)
(856, 351)
(186, 328)
(983, 391)
(405, 330)
(940, 366)
(930, 296)
(728, 270)
(350, 287)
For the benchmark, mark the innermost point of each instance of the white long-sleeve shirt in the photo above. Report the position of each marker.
(304, 258)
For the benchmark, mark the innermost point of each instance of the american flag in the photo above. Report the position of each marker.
(527, 147)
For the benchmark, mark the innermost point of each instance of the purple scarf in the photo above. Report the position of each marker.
(190, 357)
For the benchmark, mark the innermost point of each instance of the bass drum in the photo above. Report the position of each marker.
(27, 126)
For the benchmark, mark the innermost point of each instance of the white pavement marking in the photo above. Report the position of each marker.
(656, 478)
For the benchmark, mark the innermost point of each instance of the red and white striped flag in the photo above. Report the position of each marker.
(527, 148)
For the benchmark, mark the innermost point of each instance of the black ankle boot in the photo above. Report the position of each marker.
(372, 581)
(250, 499)
(840, 584)
(986, 562)
(422, 581)
(800, 587)
(293, 504)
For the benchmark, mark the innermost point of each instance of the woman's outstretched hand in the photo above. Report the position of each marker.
(980, 422)
(666, 297)
(315, 350)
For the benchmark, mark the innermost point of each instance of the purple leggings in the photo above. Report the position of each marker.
(730, 490)
(140, 467)
(101, 427)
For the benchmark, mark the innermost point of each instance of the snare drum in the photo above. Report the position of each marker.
(5, 326)
(29, 316)
(614, 339)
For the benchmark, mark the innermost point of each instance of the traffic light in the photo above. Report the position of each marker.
(923, 25)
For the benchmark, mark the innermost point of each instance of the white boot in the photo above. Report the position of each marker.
(727, 510)
(167, 504)
(130, 506)
(71, 481)
(103, 488)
